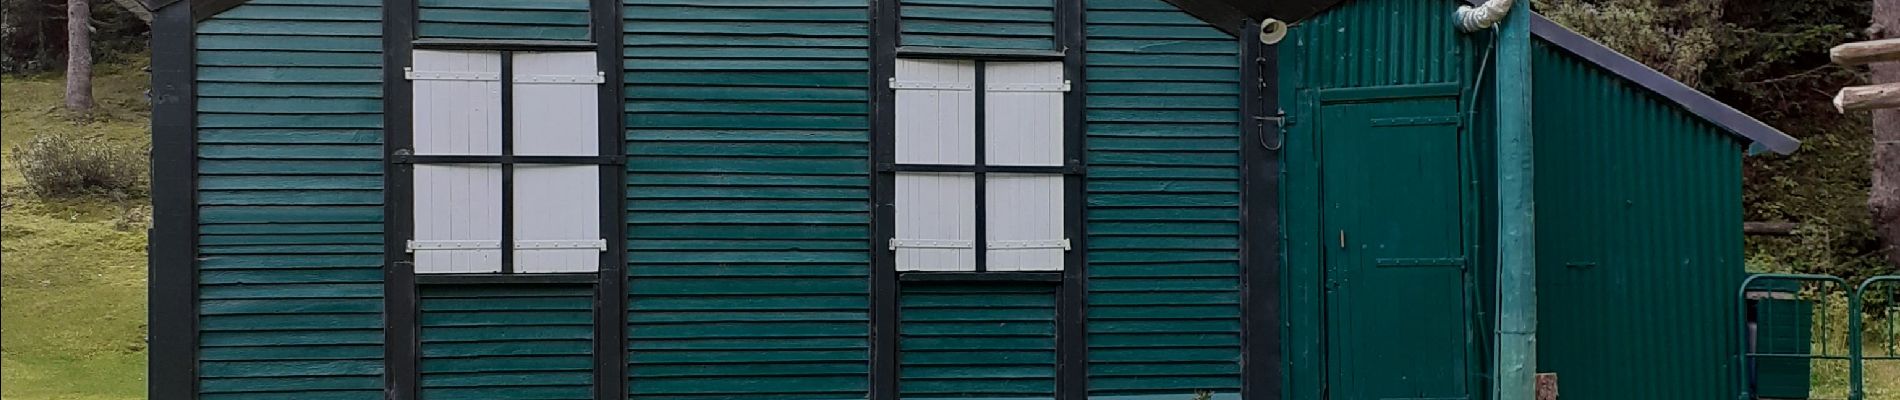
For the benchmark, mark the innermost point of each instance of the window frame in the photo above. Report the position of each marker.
(608, 154)
(1072, 170)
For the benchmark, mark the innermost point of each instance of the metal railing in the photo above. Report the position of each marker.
(1791, 322)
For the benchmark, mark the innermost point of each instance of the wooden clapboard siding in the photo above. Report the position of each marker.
(977, 340)
(290, 200)
(502, 19)
(1163, 196)
(748, 199)
(507, 342)
(982, 24)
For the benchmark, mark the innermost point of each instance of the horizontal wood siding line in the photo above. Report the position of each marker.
(502, 20)
(1164, 202)
(978, 24)
(748, 199)
(507, 341)
(290, 199)
(977, 340)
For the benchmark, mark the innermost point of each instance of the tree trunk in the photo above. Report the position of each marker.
(1884, 200)
(78, 57)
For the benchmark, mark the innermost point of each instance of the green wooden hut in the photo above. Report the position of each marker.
(922, 199)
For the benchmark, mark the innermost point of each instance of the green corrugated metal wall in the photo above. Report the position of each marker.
(1164, 205)
(984, 24)
(507, 342)
(977, 340)
(1639, 226)
(1639, 239)
(748, 198)
(1359, 44)
(290, 200)
(502, 19)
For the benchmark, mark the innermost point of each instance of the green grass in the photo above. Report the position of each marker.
(72, 293)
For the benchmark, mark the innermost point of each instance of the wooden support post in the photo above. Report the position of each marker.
(1867, 52)
(1547, 386)
(1769, 228)
(1855, 98)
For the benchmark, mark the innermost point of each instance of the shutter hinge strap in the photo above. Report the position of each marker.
(931, 244)
(1029, 244)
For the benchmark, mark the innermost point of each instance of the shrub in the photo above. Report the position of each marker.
(68, 164)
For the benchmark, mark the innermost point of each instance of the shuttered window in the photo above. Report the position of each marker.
(979, 164)
(507, 155)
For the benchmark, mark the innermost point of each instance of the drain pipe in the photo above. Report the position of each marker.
(1484, 16)
(1515, 365)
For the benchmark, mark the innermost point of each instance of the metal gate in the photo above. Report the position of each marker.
(1801, 332)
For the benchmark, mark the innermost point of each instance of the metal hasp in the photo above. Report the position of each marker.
(1516, 363)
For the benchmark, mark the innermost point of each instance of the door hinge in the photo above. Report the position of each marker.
(1342, 239)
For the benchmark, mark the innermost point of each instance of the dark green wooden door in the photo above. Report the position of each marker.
(1396, 306)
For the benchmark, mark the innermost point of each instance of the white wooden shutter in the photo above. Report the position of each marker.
(936, 124)
(1023, 126)
(936, 222)
(1022, 113)
(557, 207)
(457, 111)
(1024, 222)
(936, 111)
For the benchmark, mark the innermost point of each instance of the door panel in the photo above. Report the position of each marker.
(1396, 305)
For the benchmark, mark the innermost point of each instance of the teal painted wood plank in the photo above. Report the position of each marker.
(645, 371)
(292, 338)
(284, 322)
(490, 30)
(289, 75)
(292, 353)
(714, 271)
(265, 58)
(309, 261)
(753, 303)
(566, 5)
(280, 306)
(254, 385)
(749, 205)
(760, 331)
(289, 28)
(288, 167)
(278, 90)
(745, 344)
(804, 14)
(323, 395)
(1154, 340)
(737, 93)
(222, 214)
(735, 385)
(289, 291)
(245, 369)
(325, 12)
(577, 348)
(762, 136)
(289, 276)
(508, 378)
(511, 393)
(1044, 14)
(504, 19)
(289, 136)
(637, 43)
(853, 30)
(736, 286)
(507, 363)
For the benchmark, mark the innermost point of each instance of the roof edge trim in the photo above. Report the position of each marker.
(1692, 100)
(1219, 13)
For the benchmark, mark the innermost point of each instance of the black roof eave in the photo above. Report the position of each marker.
(1230, 15)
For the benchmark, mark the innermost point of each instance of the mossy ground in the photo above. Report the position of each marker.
(72, 286)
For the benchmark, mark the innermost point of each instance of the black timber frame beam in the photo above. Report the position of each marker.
(172, 368)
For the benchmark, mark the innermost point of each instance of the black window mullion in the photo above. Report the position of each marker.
(507, 169)
(982, 243)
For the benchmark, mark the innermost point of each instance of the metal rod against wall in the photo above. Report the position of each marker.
(1516, 357)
